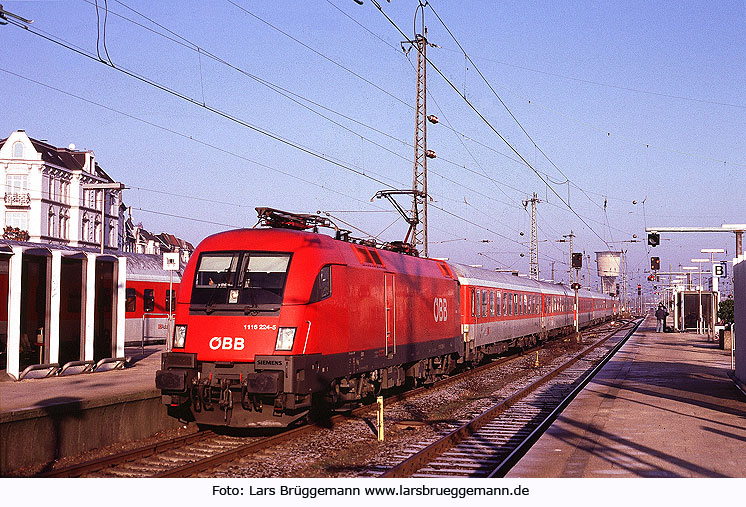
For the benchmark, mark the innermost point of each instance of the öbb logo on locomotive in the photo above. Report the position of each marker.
(227, 343)
(272, 321)
(440, 309)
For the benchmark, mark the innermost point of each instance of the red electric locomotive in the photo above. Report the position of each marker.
(272, 320)
(268, 319)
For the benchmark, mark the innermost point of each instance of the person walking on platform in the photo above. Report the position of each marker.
(660, 316)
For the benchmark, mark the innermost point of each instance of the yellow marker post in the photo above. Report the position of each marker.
(379, 424)
(536, 363)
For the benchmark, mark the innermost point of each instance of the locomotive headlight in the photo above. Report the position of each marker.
(285, 338)
(179, 336)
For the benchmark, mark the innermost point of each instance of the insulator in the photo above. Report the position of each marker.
(432, 118)
(430, 154)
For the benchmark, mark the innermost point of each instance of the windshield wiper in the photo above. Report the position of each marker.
(254, 308)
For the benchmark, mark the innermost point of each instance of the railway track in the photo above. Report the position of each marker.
(203, 451)
(490, 444)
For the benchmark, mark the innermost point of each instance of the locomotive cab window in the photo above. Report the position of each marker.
(322, 285)
(240, 280)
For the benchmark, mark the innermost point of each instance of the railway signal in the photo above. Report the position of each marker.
(577, 260)
(655, 263)
(654, 239)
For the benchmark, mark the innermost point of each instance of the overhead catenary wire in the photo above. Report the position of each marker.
(202, 142)
(196, 102)
(489, 124)
(185, 42)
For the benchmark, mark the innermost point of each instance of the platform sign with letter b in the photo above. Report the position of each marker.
(171, 261)
(719, 269)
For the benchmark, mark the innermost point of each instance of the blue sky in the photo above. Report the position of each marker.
(630, 101)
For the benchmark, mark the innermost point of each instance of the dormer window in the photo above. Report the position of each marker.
(18, 149)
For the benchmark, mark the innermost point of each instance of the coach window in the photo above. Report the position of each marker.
(505, 303)
(170, 300)
(148, 300)
(485, 302)
(492, 304)
(131, 301)
(516, 308)
(497, 304)
(473, 301)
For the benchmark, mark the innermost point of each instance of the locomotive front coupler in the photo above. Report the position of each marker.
(250, 401)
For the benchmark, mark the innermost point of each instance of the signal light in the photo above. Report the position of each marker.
(575, 286)
(654, 239)
(655, 263)
(577, 260)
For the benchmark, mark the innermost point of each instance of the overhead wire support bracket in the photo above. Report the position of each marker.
(4, 15)
(411, 218)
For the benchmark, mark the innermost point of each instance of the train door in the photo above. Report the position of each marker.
(543, 313)
(389, 283)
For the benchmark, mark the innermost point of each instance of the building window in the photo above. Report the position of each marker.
(18, 149)
(84, 229)
(16, 184)
(112, 235)
(18, 219)
(63, 226)
(97, 231)
(50, 223)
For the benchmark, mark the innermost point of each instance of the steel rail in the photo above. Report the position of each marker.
(409, 466)
(203, 464)
(131, 455)
(195, 467)
(517, 453)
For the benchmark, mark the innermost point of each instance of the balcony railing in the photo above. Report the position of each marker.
(17, 199)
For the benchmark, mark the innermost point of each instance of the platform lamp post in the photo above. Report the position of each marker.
(103, 187)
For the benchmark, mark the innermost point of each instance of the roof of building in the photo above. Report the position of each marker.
(63, 157)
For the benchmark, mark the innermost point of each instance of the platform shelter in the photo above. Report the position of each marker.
(59, 304)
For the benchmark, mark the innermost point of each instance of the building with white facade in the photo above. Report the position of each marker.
(44, 194)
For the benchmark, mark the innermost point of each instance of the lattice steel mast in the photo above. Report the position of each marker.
(534, 250)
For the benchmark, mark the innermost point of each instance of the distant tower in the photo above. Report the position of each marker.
(534, 250)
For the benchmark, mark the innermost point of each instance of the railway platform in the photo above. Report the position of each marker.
(663, 406)
(43, 419)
